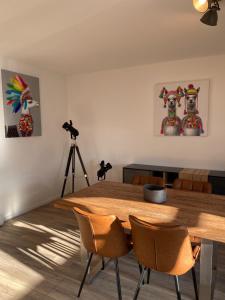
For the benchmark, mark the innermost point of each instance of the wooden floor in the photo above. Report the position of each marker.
(39, 259)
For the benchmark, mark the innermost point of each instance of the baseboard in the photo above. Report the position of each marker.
(23, 211)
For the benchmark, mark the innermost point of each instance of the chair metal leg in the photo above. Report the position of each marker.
(140, 281)
(148, 276)
(177, 287)
(195, 282)
(85, 275)
(118, 279)
(103, 264)
(140, 269)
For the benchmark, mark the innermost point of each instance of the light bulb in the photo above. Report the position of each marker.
(201, 5)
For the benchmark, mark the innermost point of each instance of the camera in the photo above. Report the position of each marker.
(101, 174)
(69, 127)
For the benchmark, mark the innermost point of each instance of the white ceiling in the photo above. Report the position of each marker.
(73, 36)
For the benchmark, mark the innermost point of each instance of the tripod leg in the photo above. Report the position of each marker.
(82, 165)
(67, 169)
(73, 169)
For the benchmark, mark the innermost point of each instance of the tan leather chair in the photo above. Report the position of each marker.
(195, 186)
(163, 248)
(141, 180)
(104, 236)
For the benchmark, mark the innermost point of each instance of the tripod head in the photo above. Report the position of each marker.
(73, 131)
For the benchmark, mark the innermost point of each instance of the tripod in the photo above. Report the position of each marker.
(73, 149)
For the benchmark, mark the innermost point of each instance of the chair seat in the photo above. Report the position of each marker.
(142, 180)
(190, 185)
(105, 236)
(164, 248)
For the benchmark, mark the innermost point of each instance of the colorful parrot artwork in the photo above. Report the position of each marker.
(20, 99)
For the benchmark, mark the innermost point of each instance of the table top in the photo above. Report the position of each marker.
(203, 214)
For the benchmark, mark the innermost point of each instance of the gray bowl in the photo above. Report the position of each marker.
(154, 193)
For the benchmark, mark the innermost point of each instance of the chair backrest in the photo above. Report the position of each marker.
(195, 186)
(141, 180)
(103, 235)
(161, 247)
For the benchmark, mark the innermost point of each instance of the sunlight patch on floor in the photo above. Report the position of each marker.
(19, 275)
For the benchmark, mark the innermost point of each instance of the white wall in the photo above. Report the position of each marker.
(114, 112)
(31, 168)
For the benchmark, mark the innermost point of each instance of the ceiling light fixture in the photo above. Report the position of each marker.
(201, 5)
(211, 16)
(210, 9)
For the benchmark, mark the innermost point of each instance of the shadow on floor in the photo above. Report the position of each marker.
(40, 260)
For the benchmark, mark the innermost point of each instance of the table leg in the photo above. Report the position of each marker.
(207, 270)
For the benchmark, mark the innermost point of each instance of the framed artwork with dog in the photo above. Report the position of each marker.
(21, 103)
(181, 108)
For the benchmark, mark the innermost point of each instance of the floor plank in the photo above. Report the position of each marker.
(39, 259)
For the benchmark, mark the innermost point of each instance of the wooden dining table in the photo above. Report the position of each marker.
(203, 214)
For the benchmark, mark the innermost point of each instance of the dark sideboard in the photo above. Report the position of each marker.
(216, 178)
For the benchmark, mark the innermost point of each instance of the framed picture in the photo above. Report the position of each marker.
(181, 108)
(21, 103)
